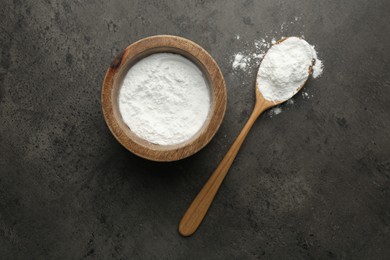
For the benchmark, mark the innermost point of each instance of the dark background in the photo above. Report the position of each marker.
(310, 183)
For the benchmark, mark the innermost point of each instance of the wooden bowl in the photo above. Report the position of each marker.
(114, 78)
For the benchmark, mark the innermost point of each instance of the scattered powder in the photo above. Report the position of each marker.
(318, 67)
(275, 111)
(285, 68)
(250, 58)
(306, 95)
(245, 60)
(251, 54)
(164, 99)
(258, 55)
(278, 109)
(241, 61)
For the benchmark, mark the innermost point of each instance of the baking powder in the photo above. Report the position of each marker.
(285, 68)
(164, 99)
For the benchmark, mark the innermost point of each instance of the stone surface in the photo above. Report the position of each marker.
(312, 182)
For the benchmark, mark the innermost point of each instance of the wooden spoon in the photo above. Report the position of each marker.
(199, 207)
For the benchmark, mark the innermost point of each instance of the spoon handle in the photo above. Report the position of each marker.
(199, 207)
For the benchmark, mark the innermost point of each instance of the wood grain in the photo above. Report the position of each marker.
(199, 207)
(116, 73)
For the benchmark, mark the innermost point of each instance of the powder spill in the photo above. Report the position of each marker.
(240, 61)
(275, 111)
(248, 59)
(244, 60)
(306, 95)
(279, 109)
(164, 99)
(318, 67)
(285, 68)
(250, 56)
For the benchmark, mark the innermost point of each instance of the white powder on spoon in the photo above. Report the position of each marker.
(285, 68)
(164, 99)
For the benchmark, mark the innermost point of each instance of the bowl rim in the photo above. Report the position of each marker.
(143, 48)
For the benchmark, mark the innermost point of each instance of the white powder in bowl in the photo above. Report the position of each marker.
(285, 68)
(164, 99)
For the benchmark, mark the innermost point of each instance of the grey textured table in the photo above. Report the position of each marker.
(312, 182)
